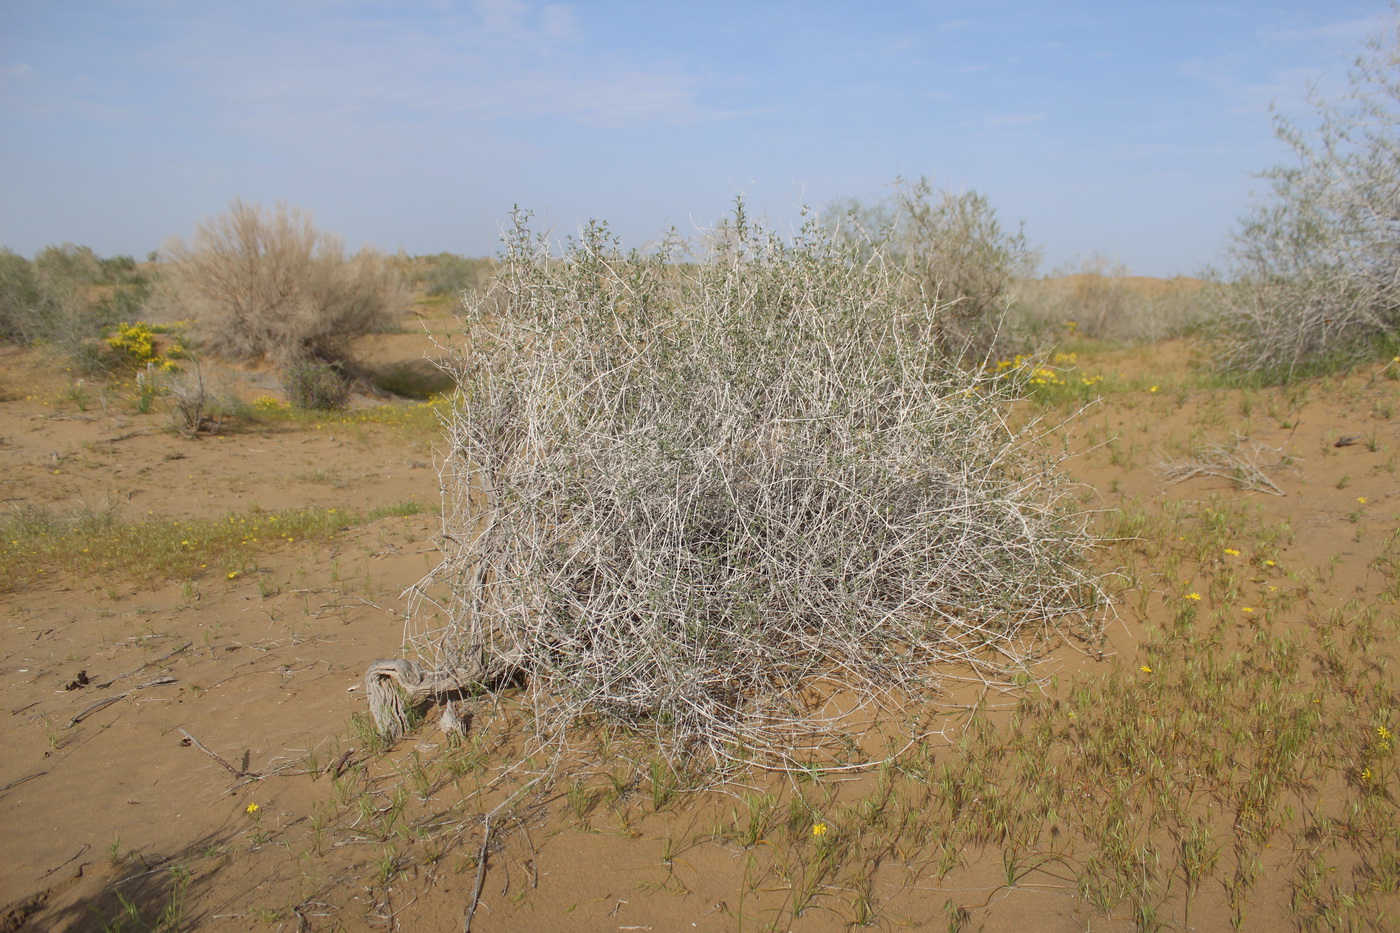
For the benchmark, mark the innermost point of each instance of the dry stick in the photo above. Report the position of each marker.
(127, 436)
(102, 704)
(85, 847)
(339, 764)
(485, 843)
(18, 782)
(237, 772)
(147, 664)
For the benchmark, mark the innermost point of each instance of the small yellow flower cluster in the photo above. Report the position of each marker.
(267, 404)
(1383, 735)
(1040, 376)
(1049, 374)
(137, 343)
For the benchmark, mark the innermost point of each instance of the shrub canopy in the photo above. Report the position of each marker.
(686, 495)
(1316, 268)
(268, 285)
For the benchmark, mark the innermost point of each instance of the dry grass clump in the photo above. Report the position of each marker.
(686, 496)
(1242, 462)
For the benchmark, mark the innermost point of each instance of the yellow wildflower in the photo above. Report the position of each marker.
(1145, 669)
(1196, 596)
(252, 808)
(818, 829)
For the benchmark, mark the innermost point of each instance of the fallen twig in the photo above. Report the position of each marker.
(237, 772)
(127, 436)
(85, 847)
(18, 782)
(147, 664)
(485, 844)
(102, 704)
(339, 764)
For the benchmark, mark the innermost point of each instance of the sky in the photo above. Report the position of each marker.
(1128, 130)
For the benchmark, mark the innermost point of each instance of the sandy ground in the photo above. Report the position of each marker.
(206, 697)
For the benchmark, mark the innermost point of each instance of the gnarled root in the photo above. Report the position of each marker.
(390, 682)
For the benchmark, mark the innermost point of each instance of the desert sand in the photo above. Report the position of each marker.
(183, 748)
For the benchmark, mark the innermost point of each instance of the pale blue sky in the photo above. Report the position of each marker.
(1129, 128)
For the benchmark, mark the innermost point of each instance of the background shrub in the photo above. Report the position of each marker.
(680, 494)
(957, 256)
(1098, 297)
(450, 274)
(267, 285)
(1314, 281)
(315, 384)
(20, 298)
(65, 298)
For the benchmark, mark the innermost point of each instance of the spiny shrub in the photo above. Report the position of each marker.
(691, 496)
(315, 384)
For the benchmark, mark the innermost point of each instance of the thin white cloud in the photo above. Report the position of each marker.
(1319, 55)
(635, 97)
(1284, 87)
(1014, 119)
(505, 59)
(557, 23)
(1346, 34)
